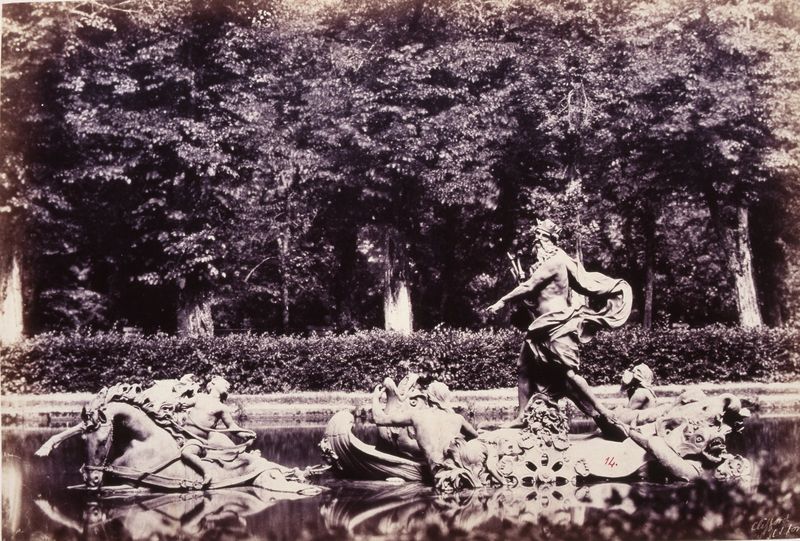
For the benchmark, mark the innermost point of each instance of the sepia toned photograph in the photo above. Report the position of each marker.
(303, 270)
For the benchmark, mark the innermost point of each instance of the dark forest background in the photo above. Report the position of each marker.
(288, 166)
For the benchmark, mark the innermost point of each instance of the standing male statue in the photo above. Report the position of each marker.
(549, 360)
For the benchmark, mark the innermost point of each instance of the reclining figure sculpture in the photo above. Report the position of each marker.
(422, 438)
(170, 436)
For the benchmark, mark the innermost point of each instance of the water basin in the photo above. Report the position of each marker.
(36, 504)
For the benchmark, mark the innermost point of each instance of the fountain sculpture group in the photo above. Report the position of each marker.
(147, 439)
(422, 438)
(171, 436)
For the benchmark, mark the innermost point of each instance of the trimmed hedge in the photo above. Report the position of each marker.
(463, 359)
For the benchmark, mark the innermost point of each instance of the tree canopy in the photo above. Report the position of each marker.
(289, 166)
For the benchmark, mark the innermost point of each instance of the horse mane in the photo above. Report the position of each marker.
(121, 392)
(163, 412)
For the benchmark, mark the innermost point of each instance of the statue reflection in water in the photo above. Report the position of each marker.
(393, 512)
(192, 515)
(373, 509)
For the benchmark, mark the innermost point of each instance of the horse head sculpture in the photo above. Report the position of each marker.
(98, 432)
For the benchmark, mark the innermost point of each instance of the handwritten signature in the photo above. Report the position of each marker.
(775, 528)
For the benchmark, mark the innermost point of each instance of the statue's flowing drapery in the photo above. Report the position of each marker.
(554, 337)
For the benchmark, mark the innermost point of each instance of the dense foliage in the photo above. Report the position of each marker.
(280, 160)
(356, 362)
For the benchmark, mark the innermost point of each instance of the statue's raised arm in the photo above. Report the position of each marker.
(542, 275)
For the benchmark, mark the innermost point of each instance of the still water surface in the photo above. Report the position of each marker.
(37, 506)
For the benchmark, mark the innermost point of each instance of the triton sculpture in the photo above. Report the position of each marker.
(685, 440)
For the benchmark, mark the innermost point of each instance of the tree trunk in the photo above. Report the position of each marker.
(575, 188)
(447, 261)
(11, 326)
(741, 262)
(283, 248)
(735, 234)
(774, 315)
(649, 272)
(194, 315)
(346, 244)
(577, 300)
(396, 296)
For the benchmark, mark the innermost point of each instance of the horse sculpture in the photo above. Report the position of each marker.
(141, 447)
